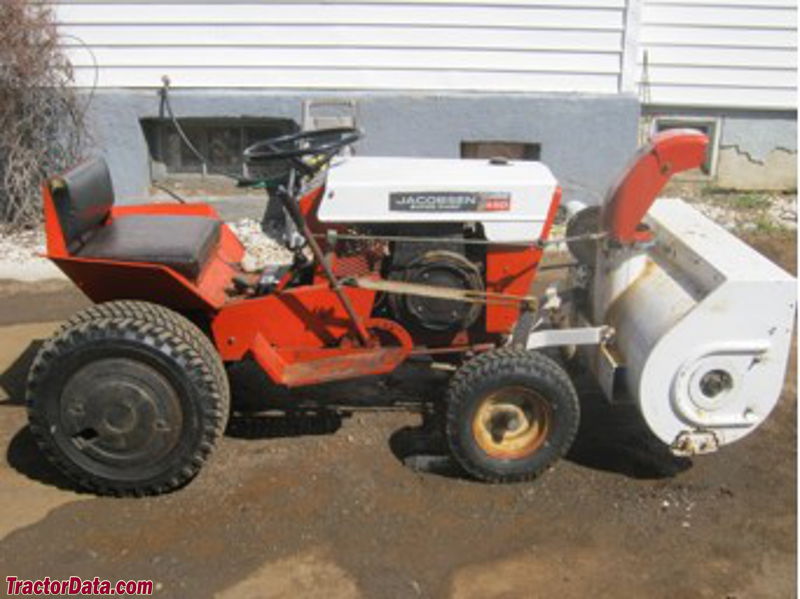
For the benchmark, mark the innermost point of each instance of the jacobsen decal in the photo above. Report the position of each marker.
(450, 201)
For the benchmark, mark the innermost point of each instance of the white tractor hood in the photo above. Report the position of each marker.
(511, 200)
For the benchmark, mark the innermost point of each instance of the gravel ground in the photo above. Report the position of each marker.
(740, 211)
(20, 259)
(22, 247)
(260, 248)
(751, 212)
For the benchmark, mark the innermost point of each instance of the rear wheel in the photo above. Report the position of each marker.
(511, 413)
(127, 406)
(175, 323)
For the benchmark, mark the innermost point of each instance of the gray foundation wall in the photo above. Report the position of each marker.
(757, 149)
(586, 140)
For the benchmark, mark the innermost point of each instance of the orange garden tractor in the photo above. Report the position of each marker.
(394, 259)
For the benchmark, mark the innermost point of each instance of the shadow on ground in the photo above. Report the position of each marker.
(15, 377)
(24, 456)
(424, 449)
(277, 425)
(610, 438)
(615, 438)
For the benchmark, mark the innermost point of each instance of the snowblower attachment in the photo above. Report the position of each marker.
(668, 153)
(703, 323)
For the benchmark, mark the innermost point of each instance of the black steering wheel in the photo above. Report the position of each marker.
(324, 143)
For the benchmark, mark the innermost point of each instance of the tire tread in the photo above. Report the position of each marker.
(495, 364)
(169, 333)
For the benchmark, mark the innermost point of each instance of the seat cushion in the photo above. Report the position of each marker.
(184, 243)
(83, 198)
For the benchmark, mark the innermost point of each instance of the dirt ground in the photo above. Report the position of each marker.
(353, 505)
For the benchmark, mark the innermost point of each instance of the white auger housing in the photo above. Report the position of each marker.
(703, 329)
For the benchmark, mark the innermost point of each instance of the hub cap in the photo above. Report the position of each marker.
(119, 413)
(512, 422)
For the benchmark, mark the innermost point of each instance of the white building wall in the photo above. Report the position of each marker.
(415, 45)
(719, 53)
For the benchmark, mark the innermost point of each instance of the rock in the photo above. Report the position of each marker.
(22, 246)
(260, 248)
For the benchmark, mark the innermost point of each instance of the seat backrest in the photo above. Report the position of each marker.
(83, 197)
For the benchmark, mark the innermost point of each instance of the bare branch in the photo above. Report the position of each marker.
(42, 128)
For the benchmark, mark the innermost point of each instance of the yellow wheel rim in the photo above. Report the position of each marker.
(512, 422)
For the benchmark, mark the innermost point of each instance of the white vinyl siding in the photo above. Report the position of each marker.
(433, 45)
(719, 53)
(716, 53)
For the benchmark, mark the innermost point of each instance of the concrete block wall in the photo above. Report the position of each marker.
(585, 139)
(757, 149)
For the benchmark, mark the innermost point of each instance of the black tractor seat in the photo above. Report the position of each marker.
(184, 243)
(83, 199)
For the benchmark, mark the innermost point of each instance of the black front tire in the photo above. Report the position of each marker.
(127, 405)
(510, 414)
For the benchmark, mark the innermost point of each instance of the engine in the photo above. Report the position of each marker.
(428, 212)
(442, 264)
(441, 268)
(440, 258)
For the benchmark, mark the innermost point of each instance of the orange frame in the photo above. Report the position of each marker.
(299, 335)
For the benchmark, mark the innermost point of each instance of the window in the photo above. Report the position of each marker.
(708, 125)
(220, 140)
(513, 150)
